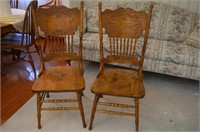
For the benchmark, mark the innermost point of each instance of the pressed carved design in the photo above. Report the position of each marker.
(59, 20)
(59, 25)
(124, 27)
(124, 23)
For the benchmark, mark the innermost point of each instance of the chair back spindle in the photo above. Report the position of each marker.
(14, 3)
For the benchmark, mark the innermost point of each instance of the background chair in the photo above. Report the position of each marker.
(127, 32)
(59, 25)
(51, 3)
(14, 3)
(18, 44)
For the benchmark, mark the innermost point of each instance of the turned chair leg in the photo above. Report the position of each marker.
(79, 95)
(137, 114)
(39, 111)
(96, 100)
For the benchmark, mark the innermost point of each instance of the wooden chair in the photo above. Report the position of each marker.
(18, 44)
(14, 3)
(124, 27)
(59, 25)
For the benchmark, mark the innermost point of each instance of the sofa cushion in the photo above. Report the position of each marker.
(168, 51)
(168, 22)
(175, 52)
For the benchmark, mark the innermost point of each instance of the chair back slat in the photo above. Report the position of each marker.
(63, 43)
(122, 46)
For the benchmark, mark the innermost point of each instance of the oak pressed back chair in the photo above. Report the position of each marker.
(14, 3)
(59, 24)
(124, 27)
(19, 44)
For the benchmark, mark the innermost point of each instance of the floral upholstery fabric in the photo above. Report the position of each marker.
(168, 22)
(92, 20)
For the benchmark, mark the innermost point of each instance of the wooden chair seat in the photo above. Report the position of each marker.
(118, 82)
(60, 78)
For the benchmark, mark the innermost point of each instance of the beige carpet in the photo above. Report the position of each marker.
(170, 104)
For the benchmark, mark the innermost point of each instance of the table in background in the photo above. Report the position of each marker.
(12, 22)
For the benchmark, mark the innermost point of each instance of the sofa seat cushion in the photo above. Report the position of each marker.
(180, 53)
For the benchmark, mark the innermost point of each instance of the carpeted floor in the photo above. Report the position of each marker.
(170, 104)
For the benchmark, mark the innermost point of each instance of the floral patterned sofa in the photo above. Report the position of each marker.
(173, 47)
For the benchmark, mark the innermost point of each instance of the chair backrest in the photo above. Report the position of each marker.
(14, 3)
(61, 25)
(28, 26)
(127, 32)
